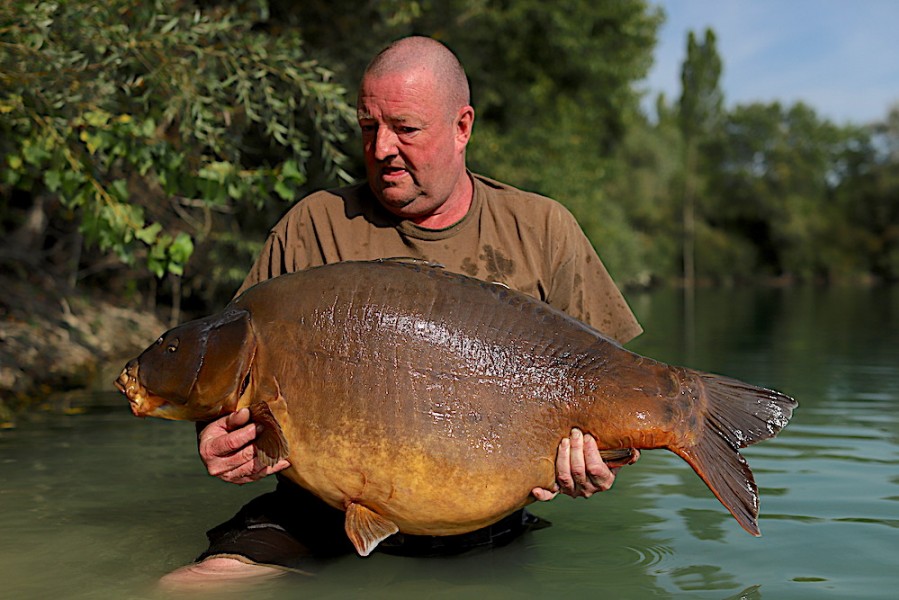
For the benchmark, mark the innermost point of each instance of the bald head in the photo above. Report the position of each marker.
(426, 54)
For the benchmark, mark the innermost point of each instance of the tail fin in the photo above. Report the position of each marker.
(737, 415)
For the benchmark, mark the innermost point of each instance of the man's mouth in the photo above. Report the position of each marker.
(391, 173)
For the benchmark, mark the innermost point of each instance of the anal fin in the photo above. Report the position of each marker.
(271, 445)
(366, 528)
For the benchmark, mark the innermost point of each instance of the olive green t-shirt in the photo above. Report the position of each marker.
(523, 240)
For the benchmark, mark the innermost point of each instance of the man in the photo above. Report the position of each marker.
(419, 201)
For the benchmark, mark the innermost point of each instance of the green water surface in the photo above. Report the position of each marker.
(98, 504)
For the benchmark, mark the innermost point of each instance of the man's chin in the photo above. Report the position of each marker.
(397, 201)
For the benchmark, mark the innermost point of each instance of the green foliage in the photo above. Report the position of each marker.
(553, 85)
(123, 107)
(761, 190)
(866, 233)
(698, 114)
(173, 133)
(647, 175)
(701, 100)
(772, 185)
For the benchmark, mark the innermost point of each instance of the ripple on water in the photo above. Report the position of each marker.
(648, 556)
(623, 557)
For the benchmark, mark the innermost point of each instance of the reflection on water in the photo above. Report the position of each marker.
(99, 504)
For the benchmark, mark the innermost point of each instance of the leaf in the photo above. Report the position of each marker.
(283, 190)
(119, 188)
(169, 26)
(149, 233)
(181, 248)
(93, 142)
(33, 154)
(96, 118)
(148, 127)
(52, 179)
(290, 170)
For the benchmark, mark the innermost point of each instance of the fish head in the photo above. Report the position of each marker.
(195, 372)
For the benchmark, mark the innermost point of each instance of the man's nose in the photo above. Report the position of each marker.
(384, 143)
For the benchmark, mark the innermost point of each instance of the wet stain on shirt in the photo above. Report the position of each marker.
(469, 267)
(499, 267)
(582, 312)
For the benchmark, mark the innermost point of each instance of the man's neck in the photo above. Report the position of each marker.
(453, 210)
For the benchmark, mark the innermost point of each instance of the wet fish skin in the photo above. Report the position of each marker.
(432, 403)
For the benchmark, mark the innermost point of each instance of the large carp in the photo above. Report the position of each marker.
(427, 402)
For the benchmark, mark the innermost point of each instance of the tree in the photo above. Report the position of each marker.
(773, 189)
(649, 165)
(138, 119)
(555, 90)
(868, 198)
(699, 112)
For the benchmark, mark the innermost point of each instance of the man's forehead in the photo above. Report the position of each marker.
(403, 108)
(404, 95)
(366, 115)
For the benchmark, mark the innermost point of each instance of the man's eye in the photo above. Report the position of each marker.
(368, 128)
(406, 129)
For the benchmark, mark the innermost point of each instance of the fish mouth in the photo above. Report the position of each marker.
(141, 402)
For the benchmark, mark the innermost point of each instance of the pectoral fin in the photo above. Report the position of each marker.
(617, 458)
(271, 445)
(366, 528)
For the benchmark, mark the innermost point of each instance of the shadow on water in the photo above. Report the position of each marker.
(100, 504)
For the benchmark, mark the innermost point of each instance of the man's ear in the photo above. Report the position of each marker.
(464, 124)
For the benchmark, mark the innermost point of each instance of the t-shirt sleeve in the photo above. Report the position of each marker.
(582, 287)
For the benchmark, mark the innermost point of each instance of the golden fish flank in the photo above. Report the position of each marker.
(427, 402)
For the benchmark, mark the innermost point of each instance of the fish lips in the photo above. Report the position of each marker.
(141, 402)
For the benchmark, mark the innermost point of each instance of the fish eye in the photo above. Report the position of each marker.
(173, 346)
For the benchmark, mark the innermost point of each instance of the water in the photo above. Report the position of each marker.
(98, 504)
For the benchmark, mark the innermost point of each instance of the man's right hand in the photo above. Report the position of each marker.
(227, 449)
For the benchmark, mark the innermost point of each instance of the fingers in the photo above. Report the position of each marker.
(227, 451)
(580, 469)
(237, 419)
(598, 473)
(252, 471)
(218, 442)
(543, 494)
(563, 467)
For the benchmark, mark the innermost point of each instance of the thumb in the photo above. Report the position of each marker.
(237, 419)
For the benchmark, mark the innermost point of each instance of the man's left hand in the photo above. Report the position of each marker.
(580, 470)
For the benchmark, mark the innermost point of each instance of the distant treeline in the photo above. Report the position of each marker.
(148, 142)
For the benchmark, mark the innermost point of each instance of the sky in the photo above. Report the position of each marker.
(841, 57)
